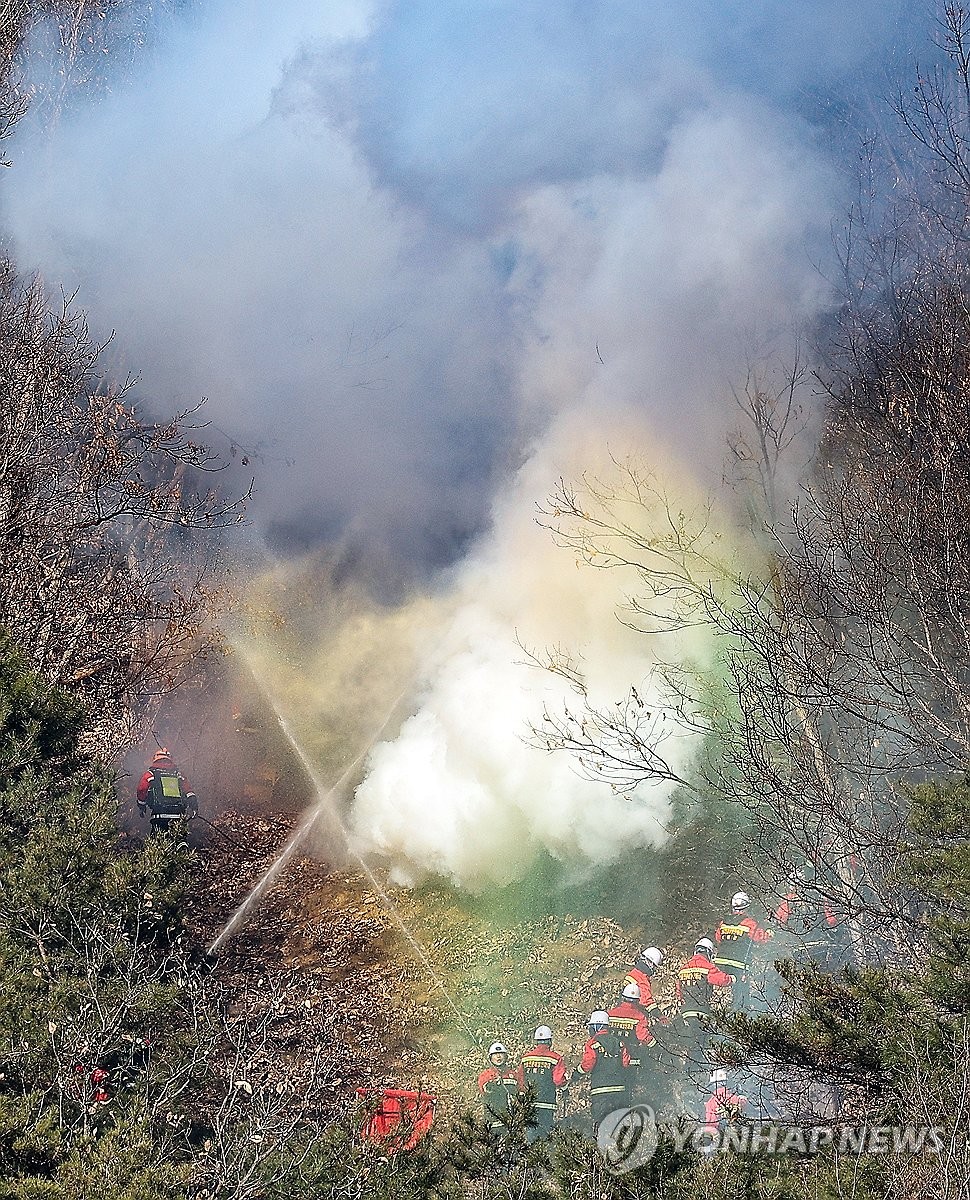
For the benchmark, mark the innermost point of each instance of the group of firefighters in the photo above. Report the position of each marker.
(634, 1052)
(632, 1048)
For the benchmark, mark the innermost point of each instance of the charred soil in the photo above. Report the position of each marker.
(325, 958)
(316, 956)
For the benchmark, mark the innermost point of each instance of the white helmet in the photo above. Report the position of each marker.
(631, 991)
(718, 1077)
(740, 900)
(496, 1048)
(705, 946)
(543, 1034)
(653, 955)
(599, 1018)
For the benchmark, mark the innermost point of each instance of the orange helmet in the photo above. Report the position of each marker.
(161, 755)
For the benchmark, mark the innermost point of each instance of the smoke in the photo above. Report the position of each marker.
(423, 262)
(462, 792)
(335, 660)
(664, 274)
(242, 250)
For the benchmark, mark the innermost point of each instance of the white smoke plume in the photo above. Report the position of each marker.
(423, 259)
(666, 274)
(462, 792)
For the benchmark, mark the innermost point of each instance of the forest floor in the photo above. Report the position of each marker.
(401, 989)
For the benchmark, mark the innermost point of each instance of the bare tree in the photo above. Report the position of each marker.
(771, 448)
(127, 1030)
(843, 658)
(108, 522)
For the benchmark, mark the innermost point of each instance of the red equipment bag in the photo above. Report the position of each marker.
(401, 1119)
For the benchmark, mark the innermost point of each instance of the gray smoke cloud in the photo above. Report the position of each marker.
(424, 258)
(310, 216)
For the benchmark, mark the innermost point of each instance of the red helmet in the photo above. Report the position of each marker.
(161, 755)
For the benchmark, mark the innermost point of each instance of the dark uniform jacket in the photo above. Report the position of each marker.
(736, 936)
(164, 791)
(696, 981)
(497, 1086)
(544, 1070)
(606, 1061)
(630, 1022)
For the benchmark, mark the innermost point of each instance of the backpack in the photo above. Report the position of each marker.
(166, 793)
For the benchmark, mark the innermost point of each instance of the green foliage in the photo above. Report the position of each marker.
(85, 928)
(846, 1028)
(336, 1162)
(38, 727)
(937, 867)
(467, 1160)
(120, 1163)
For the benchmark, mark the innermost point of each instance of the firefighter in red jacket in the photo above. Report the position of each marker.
(607, 1063)
(696, 981)
(542, 1071)
(641, 974)
(807, 915)
(497, 1084)
(695, 984)
(723, 1107)
(736, 937)
(631, 1024)
(164, 793)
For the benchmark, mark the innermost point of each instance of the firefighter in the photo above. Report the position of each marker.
(723, 1107)
(641, 973)
(92, 1085)
(607, 1063)
(695, 984)
(736, 937)
(164, 793)
(658, 1073)
(631, 1024)
(498, 1083)
(542, 1070)
(696, 981)
(810, 919)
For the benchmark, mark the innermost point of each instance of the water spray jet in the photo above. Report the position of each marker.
(325, 806)
(325, 798)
